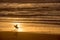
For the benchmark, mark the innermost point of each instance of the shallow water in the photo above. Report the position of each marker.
(35, 21)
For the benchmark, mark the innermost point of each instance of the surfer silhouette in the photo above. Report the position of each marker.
(16, 26)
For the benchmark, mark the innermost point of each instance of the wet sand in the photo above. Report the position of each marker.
(27, 36)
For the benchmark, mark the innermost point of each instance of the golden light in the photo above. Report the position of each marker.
(19, 27)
